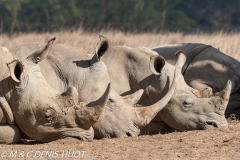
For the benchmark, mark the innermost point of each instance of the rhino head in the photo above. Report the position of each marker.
(122, 117)
(43, 113)
(188, 108)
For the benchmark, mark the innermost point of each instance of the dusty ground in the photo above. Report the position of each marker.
(210, 144)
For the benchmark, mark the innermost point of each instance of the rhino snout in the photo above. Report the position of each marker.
(209, 124)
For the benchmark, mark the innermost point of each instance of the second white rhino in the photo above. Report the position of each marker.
(131, 69)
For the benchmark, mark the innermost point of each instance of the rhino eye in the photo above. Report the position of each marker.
(188, 102)
(111, 100)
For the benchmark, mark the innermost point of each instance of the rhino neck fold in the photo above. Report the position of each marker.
(192, 54)
(77, 133)
(57, 71)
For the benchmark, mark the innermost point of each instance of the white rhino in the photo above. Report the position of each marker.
(65, 66)
(131, 69)
(207, 66)
(41, 112)
(9, 132)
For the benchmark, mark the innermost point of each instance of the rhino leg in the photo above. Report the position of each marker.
(10, 133)
(156, 127)
(233, 106)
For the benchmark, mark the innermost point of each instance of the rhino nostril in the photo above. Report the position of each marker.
(48, 116)
(211, 123)
(129, 134)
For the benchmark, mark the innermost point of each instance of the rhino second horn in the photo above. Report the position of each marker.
(205, 93)
(91, 112)
(147, 113)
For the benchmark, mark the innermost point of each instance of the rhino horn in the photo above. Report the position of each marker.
(224, 96)
(225, 93)
(205, 93)
(181, 59)
(156, 64)
(91, 112)
(41, 53)
(147, 113)
(132, 99)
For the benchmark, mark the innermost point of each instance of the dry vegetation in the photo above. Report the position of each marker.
(212, 144)
(227, 43)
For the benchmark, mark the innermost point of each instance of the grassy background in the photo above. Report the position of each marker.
(227, 43)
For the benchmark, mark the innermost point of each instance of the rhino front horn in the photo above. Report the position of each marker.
(224, 97)
(89, 114)
(225, 93)
(147, 113)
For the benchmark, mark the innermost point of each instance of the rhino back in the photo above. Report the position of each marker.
(205, 66)
(213, 68)
(69, 66)
(191, 50)
(56, 68)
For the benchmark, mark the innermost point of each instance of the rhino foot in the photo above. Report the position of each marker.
(10, 134)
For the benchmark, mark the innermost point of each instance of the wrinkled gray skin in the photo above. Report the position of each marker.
(66, 66)
(207, 66)
(41, 112)
(9, 132)
(131, 69)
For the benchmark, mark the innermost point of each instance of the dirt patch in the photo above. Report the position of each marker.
(210, 144)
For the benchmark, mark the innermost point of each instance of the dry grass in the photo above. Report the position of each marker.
(228, 43)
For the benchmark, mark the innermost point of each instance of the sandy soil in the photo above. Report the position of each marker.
(210, 144)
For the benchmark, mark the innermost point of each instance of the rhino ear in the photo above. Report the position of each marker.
(101, 48)
(156, 64)
(41, 53)
(132, 99)
(15, 69)
(181, 59)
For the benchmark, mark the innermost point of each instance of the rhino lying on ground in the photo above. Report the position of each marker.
(41, 112)
(131, 69)
(9, 132)
(65, 66)
(206, 66)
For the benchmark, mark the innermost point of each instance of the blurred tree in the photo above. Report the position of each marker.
(127, 15)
